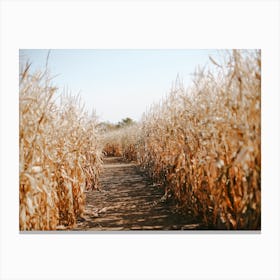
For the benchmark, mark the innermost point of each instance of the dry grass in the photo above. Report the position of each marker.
(59, 155)
(204, 144)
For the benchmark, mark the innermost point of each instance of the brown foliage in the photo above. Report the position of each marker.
(204, 143)
(59, 155)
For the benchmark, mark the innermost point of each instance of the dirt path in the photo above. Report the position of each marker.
(129, 201)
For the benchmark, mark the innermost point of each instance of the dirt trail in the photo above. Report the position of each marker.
(128, 200)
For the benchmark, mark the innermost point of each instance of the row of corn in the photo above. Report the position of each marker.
(60, 154)
(204, 143)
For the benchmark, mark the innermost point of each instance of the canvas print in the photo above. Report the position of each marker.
(139, 140)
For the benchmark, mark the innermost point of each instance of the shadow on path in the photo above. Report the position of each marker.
(129, 201)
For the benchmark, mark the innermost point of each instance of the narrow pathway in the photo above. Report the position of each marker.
(128, 200)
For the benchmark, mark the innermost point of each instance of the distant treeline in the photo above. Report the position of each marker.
(108, 126)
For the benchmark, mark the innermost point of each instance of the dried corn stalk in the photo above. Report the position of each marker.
(59, 156)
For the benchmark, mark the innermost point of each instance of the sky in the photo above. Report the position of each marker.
(118, 83)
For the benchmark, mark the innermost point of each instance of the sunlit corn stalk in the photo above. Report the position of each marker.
(59, 155)
(204, 143)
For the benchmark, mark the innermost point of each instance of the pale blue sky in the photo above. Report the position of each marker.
(118, 83)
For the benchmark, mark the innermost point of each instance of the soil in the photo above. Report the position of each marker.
(128, 200)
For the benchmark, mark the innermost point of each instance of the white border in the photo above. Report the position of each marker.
(155, 24)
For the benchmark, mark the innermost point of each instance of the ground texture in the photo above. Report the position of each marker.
(128, 200)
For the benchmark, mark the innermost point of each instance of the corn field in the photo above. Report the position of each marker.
(203, 144)
(60, 154)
